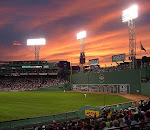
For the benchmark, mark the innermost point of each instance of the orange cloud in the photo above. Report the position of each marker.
(16, 43)
(106, 36)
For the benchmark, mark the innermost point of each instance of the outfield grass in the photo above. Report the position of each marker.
(17, 105)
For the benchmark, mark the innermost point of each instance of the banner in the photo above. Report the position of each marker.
(82, 58)
(91, 113)
(52, 73)
(116, 58)
(46, 66)
(42, 73)
(36, 66)
(94, 61)
(14, 74)
(23, 73)
(26, 66)
(33, 73)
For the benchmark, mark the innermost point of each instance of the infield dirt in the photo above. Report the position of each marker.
(134, 97)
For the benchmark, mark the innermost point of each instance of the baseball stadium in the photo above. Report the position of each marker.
(38, 92)
(42, 95)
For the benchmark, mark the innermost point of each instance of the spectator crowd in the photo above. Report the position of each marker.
(134, 118)
(28, 83)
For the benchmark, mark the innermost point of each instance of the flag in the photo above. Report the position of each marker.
(142, 48)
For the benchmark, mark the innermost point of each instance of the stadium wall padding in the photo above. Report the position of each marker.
(60, 87)
(145, 89)
(146, 72)
(131, 77)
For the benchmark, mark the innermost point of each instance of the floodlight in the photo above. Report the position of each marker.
(40, 41)
(36, 43)
(130, 13)
(81, 35)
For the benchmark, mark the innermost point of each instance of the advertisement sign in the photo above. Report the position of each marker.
(46, 66)
(26, 66)
(91, 113)
(36, 67)
(14, 74)
(42, 73)
(116, 58)
(52, 73)
(82, 58)
(94, 61)
(23, 73)
(33, 73)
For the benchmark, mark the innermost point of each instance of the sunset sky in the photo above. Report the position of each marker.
(60, 20)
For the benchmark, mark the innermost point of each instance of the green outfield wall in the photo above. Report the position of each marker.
(60, 87)
(145, 89)
(131, 77)
(146, 72)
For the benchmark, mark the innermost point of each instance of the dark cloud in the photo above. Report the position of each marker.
(59, 21)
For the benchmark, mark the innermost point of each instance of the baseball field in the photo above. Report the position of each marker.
(18, 105)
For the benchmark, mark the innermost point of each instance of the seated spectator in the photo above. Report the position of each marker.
(103, 125)
(135, 119)
(127, 121)
(115, 124)
(147, 116)
(122, 123)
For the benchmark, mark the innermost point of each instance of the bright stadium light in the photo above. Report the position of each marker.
(40, 41)
(37, 43)
(81, 35)
(130, 13)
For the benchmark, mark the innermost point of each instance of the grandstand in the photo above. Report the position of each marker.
(28, 75)
(23, 68)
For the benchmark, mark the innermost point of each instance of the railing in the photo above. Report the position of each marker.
(63, 116)
(37, 120)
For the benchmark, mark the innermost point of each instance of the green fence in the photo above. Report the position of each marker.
(59, 87)
(115, 107)
(37, 120)
(63, 116)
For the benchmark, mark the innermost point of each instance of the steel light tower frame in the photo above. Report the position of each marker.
(82, 51)
(132, 44)
(36, 43)
(81, 36)
(129, 15)
(36, 52)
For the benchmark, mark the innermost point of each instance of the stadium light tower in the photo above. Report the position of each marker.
(37, 43)
(81, 36)
(129, 15)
